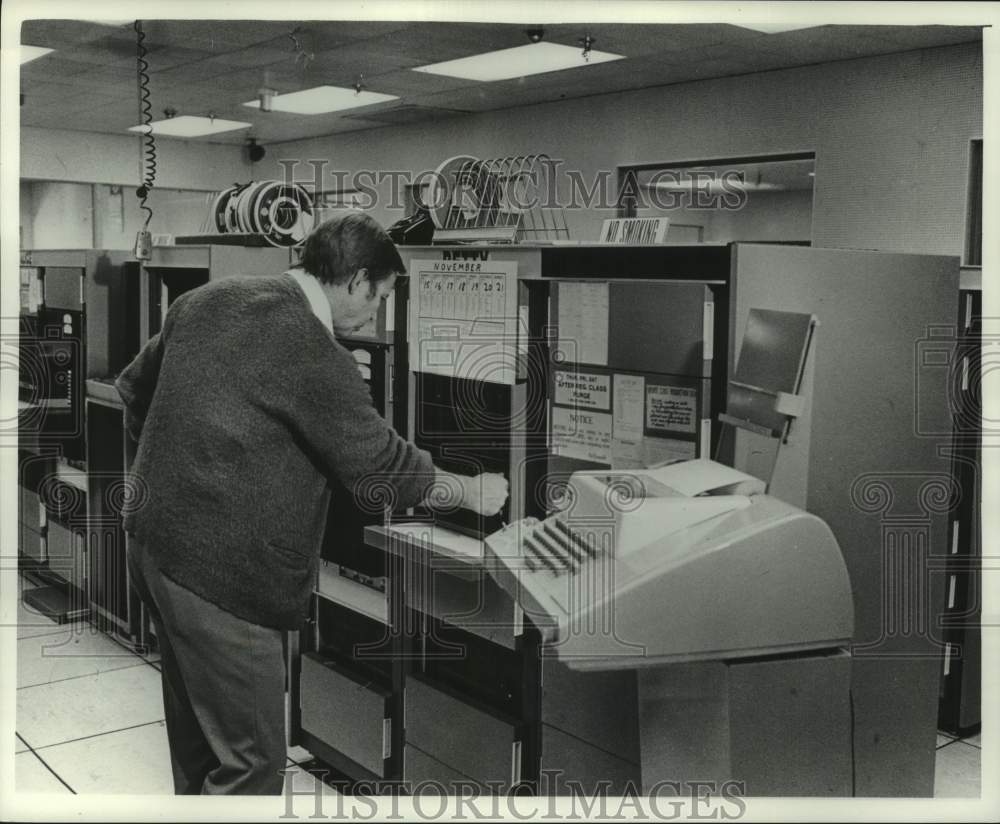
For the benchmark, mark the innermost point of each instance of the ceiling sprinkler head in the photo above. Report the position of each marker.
(535, 35)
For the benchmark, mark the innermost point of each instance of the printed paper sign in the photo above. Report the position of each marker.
(658, 451)
(583, 322)
(629, 393)
(583, 389)
(671, 408)
(626, 454)
(649, 453)
(583, 435)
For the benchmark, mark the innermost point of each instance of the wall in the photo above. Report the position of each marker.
(48, 154)
(765, 216)
(118, 217)
(890, 134)
(26, 212)
(58, 215)
(61, 216)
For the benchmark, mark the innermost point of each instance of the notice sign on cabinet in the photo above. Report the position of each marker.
(583, 389)
(582, 435)
(671, 408)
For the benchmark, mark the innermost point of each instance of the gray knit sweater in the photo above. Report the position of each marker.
(246, 405)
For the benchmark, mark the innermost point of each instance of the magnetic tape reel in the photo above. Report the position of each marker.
(282, 212)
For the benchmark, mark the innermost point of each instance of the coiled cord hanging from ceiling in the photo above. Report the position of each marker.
(147, 151)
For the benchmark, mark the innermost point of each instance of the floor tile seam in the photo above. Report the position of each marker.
(82, 675)
(96, 735)
(45, 764)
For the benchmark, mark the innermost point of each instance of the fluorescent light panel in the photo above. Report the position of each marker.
(777, 28)
(29, 53)
(190, 126)
(520, 61)
(322, 100)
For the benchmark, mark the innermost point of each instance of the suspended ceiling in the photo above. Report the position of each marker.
(211, 67)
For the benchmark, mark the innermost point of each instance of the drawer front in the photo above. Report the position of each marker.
(31, 543)
(349, 716)
(601, 708)
(459, 736)
(32, 514)
(64, 553)
(473, 603)
(423, 774)
(570, 759)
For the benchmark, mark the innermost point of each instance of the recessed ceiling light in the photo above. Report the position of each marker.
(775, 28)
(520, 61)
(29, 53)
(108, 22)
(322, 100)
(190, 126)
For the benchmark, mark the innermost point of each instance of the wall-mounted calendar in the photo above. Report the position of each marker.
(464, 319)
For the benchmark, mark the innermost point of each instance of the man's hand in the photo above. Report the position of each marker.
(485, 494)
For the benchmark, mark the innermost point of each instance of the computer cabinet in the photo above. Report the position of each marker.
(961, 692)
(80, 313)
(115, 606)
(79, 320)
(864, 454)
(52, 535)
(868, 454)
(485, 702)
(345, 668)
(173, 270)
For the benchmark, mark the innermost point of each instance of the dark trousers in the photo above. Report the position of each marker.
(223, 689)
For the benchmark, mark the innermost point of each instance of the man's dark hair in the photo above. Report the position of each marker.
(348, 241)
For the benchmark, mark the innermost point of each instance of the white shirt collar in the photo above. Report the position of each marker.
(315, 295)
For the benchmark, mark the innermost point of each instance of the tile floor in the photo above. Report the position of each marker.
(90, 715)
(90, 720)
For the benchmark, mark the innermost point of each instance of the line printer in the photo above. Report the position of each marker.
(687, 562)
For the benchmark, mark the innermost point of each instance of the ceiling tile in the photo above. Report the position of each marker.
(320, 35)
(404, 115)
(707, 69)
(110, 118)
(715, 51)
(104, 50)
(169, 57)
(199, 67)
(51, 67)
(104, 78)
(46, 92)
(95, 101)
(425, 43)
(918, 37)
(259, 54)
(59, 34)
(190, 72)
(825, 43)
(633, 40)
(215, 35)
